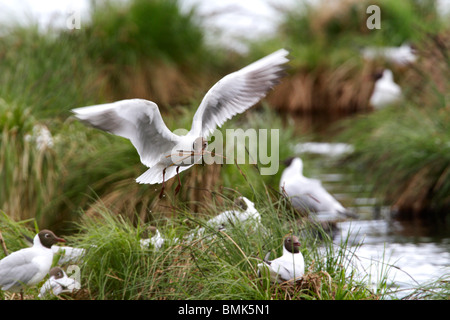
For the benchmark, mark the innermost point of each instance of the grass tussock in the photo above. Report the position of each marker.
(404, 150)
(29, 165)
(211, 265)
(330, 75)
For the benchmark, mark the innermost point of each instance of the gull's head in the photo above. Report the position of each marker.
(47, 238)
(149, 232)
(385, 74)
(292, 244)
(57, 273)
(295, 163)
(377, 75)
(240, 204)
(200, 144)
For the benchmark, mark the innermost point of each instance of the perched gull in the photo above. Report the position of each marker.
(156, 240)
(309, 194)
(65, 254)
(41, 136)
(58, 283)
(386, 91)
(400, 56)
(290, 266)
(245, 212)
(167, 154)
(28, 266)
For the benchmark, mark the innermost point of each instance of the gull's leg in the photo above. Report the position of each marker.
(177, 189)
(163, 184)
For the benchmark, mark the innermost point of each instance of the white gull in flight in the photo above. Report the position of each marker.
(166, 153)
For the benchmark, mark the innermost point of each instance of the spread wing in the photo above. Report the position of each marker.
(237, 92)
(135, 119)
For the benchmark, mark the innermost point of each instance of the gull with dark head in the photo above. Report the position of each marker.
(166, 153)
(28, 266)
(290, 266)
(57, 283)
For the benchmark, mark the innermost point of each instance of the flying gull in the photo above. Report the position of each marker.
(167, 154)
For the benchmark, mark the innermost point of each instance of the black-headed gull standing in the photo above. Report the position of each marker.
(27, 267)
(385, 91)
(308, 194)
(57, 283)
(166, 153)
(290, 266)
(65, 254)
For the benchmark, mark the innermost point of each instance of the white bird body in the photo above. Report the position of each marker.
(167, 153)
(156, 240)
(386, 91)
(27, 267)
(234, 216)
(290, 266)
(400, 56)
(308, 194)
(68, 254)
(246, 213)
(58, 283)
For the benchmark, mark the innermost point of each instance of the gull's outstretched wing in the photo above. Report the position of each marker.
(237, 92)
(135, 119)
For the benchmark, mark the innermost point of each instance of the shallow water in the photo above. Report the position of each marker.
(409, 256)
(413, 253)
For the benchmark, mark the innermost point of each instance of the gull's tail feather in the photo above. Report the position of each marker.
(154, 175)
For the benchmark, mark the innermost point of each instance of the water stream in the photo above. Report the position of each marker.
(413, 253)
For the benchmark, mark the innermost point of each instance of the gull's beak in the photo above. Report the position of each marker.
(60, 239)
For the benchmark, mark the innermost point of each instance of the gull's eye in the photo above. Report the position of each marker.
(47, 235)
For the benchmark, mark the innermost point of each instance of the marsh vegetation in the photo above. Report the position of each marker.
(56, 173)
